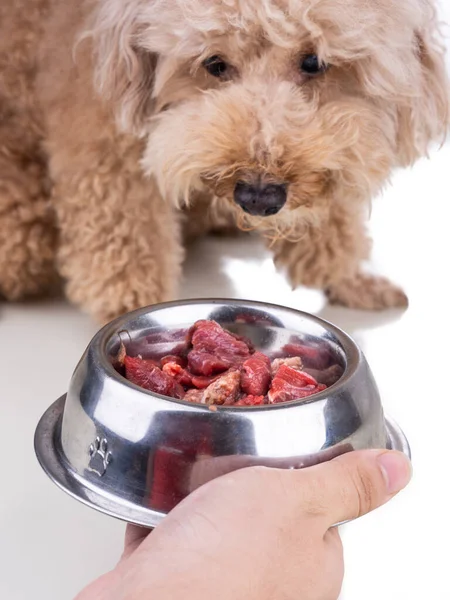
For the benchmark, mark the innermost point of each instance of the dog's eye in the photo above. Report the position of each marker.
(216, 66)
(311, 65)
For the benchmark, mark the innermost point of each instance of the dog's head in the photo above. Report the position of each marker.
(277, 106)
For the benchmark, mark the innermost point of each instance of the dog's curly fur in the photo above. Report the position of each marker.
(115, 141)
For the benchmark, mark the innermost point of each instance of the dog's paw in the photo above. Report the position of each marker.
(121, 299)
(367, 292)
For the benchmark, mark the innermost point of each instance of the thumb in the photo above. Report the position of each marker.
(356, 483)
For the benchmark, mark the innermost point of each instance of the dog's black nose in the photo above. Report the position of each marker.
(261, 200)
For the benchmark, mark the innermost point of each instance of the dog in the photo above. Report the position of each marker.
(129, 126)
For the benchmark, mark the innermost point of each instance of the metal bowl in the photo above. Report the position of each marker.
(134, 454)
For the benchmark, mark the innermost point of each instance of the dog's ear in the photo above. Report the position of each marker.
(124, 71)
(424, 117)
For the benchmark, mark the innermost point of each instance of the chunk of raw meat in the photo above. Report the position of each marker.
(246, 341)
(289, 384)
(295, 362)
(201, 382)
(209, 365)
(250, 401)
(171, 358)
(225, 390)
(209, 336)
(316, 358)
(144, 373)
(256, 375)
(187, 379)
(178, 373)
(194, 396)
(206, 363)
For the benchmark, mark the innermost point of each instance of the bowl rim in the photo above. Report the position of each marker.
(102, 337)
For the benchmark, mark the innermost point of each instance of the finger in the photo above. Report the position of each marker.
(333, 563)
(332, 539)
(354, 484)
(134, 536)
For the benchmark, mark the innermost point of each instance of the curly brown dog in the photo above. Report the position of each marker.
(126, 125)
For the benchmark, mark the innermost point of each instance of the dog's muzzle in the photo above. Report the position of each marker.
(260, 199)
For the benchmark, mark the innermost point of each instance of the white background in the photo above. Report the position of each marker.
(50, 546)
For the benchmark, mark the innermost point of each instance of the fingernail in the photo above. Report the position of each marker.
(396, 469)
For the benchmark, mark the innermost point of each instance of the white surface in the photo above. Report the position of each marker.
(50, 546)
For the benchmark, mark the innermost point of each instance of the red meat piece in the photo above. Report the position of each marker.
(171, 358)
(144, 373)
(289, 384)
(200, 382)
(294, 377)
(246, 341)
(250, 401)
(178, 373)
(146, 363)
(206, 363)
(256, 375)
(317, 358)
(209, 336)
(295, 362)
(262, 357)
(225, 390)
(194, 396)
(185, 378)
(223, 368)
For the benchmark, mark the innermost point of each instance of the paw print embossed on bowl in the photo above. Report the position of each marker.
(100, 456)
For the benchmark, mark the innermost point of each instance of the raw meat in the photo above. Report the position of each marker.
(250, 401)
(295, 362)
(144, 373)
(209, 336)
(225, 390)
(209, 365)
(289, 384)
(256, 375)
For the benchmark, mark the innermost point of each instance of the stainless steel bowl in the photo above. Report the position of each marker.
(134, 455)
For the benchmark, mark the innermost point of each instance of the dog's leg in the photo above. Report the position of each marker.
(119, 242)
(367, 292)
(27, 233)
(329, 258)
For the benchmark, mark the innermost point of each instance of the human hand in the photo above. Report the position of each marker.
(256, 533)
